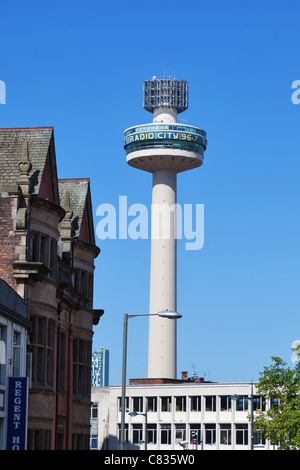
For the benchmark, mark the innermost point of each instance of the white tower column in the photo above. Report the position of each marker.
(162, 331)
(164, 148)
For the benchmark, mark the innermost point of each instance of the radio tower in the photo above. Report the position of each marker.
(164, 148)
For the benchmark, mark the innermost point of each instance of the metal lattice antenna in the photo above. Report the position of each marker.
(165, 93)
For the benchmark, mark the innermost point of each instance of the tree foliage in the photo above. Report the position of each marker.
(281, 423)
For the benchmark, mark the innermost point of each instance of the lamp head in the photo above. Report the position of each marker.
(234, 397)
(168, 314)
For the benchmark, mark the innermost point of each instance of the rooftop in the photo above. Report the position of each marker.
(11, 147)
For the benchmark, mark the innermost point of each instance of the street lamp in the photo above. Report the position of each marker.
(163, 314)
(134, 413)
(236, 397)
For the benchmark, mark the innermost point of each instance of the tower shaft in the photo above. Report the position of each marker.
(164, 148)
(162, 331)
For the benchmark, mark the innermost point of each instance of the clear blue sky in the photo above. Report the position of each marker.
(80, 67)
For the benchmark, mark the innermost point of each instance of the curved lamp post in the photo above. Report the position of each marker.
(164, 314)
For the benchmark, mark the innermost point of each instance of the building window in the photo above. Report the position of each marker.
(195, 433)
(259, 403)
(62, 361)
(94, 410)
(40, 248)
(137, 433)
(195, 403)
(210, 434)
(180, 433)
(225, 403)
(42, 346)
(77, 280)
(16, 372)
(241, 434)
(275, 402)
(90, 289)
(151, 433)
(44, 253)
(126, 404)
(137, 404)
(125, 432)
(180, 403)
(166, 403)
(165, 434)
(53, 259)
(81, 368)
(258, 440)
(225, 434)
(38, 439)
(35, 247)
(84, 284)
(3, 334)
(44, 250)
(38, 346)
(50, 351)
(152, 404)
(60, 440)
(94, 442)
(242, 403)
(80, 441)
(210, 403)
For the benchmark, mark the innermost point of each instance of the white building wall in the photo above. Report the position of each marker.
(10, 365)
(110, 415)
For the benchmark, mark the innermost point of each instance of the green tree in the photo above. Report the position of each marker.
(281, 423)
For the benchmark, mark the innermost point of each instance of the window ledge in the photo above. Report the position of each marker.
(25, 269)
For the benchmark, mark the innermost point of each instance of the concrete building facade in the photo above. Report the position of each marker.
(47, 252)
(183, 414)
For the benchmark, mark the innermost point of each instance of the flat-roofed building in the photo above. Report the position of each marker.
(191, 414)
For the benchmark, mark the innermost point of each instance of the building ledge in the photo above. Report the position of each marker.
(160, 380)
(26, 269)
(69, 295)
(97, 314)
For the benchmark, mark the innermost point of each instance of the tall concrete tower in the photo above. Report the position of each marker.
(164, 148)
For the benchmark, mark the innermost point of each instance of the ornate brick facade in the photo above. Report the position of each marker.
(47, 252)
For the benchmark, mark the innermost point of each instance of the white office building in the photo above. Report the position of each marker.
(191, 415)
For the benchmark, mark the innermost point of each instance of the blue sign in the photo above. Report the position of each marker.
(17, 413)
(157, 135)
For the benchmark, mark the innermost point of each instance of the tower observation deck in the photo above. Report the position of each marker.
(164, 148)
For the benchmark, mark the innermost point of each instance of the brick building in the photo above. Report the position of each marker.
(168, 415)
(47, 252)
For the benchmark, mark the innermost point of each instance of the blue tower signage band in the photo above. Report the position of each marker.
(173, 135)
(17, 413)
